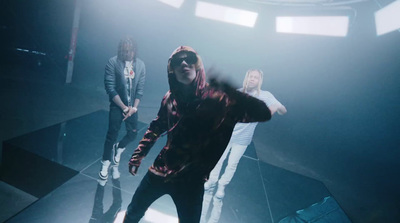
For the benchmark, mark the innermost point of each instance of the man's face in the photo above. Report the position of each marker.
(183, 65)
(127, 52)
(254, 80)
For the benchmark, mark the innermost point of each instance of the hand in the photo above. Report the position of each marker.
(282, 110)
(273, 108)
(222, 85)
(129, 113)
(133, 169)
(134, 164)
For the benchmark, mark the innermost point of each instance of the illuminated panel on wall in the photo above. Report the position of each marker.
(313, 25)
(173, 3)
(226, 14)
(387, 19)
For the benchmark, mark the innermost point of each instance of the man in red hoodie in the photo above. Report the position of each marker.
(198, 119)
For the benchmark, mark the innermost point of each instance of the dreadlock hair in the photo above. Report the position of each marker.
(127, 42)
(246, 80)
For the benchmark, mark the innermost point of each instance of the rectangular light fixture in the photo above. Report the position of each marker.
(226, 14)
(387, 19)
(313, 25)
(174, 3)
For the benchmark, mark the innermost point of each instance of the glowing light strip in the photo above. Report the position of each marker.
(30, 51)
(150, 216)
(156, 216)
(173, 3)
(226, 14)
(313, 25)
(387, 19)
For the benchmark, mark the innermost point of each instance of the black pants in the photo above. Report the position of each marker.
(114, 125)
(187, 196)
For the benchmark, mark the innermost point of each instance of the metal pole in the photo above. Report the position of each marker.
(72, 46)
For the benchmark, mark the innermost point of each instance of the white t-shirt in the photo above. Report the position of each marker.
(129, 75)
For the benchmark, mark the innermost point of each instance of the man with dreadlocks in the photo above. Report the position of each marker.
(198, 119)
(241, 138)
(124, 82)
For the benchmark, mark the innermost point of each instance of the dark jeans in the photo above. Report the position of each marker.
(114, 125)
(187, 196)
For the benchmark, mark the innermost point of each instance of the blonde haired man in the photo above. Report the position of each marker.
(241, 138)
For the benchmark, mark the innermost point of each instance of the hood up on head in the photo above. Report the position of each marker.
(198, 83)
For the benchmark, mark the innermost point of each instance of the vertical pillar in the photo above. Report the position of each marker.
(72, 46)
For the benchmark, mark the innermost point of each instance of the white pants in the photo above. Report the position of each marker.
(236, 152)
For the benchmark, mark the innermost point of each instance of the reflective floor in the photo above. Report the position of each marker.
(59, 165)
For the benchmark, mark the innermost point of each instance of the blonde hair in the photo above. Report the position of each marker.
(246, 80)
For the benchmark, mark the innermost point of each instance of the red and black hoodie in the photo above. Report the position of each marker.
(198, 124)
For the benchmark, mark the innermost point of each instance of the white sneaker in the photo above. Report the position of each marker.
(209, 185)
(102, 182)
(103, 174)
(117, 153)
(220, 192)
(115, 174)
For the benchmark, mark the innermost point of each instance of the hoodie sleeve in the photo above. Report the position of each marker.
(158, 126)
(249, 109)
(243, 107)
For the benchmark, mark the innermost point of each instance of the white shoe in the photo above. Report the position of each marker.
(117, 153)
(115, 174)
(102, 182)
(220, 192)
(103, 174)
(209, 185)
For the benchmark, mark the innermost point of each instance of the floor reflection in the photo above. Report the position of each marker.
(70, 190)
(98, 213)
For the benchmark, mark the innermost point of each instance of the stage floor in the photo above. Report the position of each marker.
(59, 166)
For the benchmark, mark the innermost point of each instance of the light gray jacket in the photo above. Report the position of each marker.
(115, 81)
